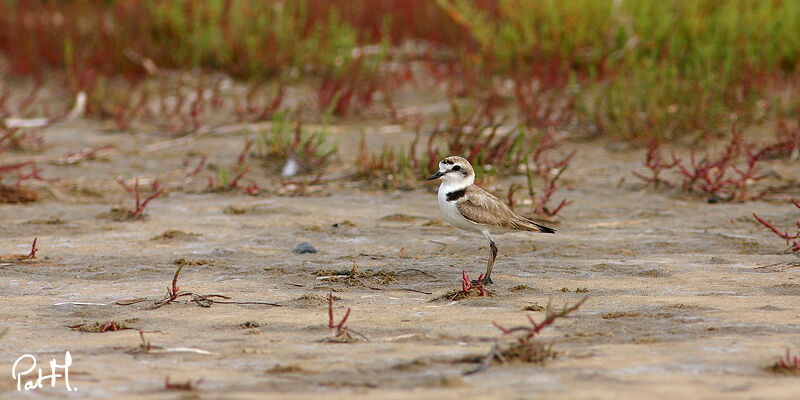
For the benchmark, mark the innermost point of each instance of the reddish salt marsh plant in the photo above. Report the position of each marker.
(392, 167)
(788, 364)
(347, 88)
(183, 103)
(22, 135)
(145, 345)
(15, 192)
(787, 143)
(364, 74)
(25, 118)
(654, 161)
(339, 331)
(255, 108)
(13, 175)
(163, 103)
(22, 170)
(124, 109)
(547, 168)
(646, 82)
(22, 126)
(525, 347)
(189, 385)
(469, 289)
(174, 292)
(23, 257)
(197, 169)
(192, 172)
(140, 205)
(795, 246)
(542, 98)
(34, 249)
(388, 86)
(110, 326)
(295, 146)
(246, 38)
(228, 179)
(540, 204)
(89, 153)
(22, 138)
(467, 286)
(336, 329)
(728, 175)
(101, 327)
(528, 333)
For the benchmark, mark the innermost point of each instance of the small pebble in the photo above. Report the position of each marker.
(303, 248)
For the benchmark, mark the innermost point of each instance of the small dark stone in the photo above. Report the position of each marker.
(714, 199)
(303, 248)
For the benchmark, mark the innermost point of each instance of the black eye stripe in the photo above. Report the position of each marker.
(456, 168)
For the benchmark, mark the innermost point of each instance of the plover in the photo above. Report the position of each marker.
(471, 208)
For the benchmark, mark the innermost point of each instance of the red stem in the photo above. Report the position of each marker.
(330, 311)
(784, 235)
(33, 249)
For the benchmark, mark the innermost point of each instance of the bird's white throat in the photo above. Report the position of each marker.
(454, 185)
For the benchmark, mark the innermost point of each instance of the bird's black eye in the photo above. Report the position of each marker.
(456, 168)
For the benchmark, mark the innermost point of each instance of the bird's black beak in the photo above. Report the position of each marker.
(436, 176)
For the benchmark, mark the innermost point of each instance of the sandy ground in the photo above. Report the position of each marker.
(686, 299)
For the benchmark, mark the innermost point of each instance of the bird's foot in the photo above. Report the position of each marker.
(484, 281)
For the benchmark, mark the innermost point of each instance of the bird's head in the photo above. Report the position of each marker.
(455, 170)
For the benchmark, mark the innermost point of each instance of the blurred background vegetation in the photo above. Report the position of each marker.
(632, 69)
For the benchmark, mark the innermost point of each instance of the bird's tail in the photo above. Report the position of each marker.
(545, 229)
(533, 226)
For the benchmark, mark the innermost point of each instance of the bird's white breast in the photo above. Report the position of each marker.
(450, 210)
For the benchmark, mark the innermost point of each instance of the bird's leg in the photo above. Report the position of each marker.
(487, 278)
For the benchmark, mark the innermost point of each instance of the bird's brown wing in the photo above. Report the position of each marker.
(482, 207)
